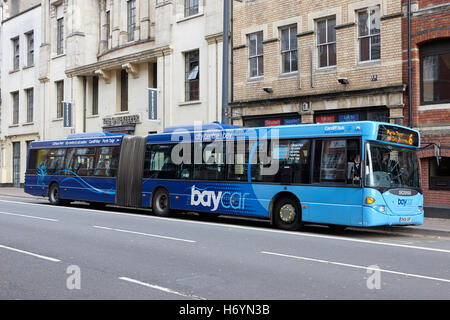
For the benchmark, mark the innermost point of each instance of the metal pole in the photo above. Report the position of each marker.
(225, 62)
(408, 12)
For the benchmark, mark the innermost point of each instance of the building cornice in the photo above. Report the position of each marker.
(20, 13)
(119, 62)
(314, 97)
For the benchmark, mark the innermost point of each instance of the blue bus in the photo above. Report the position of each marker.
(339, 174)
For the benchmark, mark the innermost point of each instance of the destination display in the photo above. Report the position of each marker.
(398, 135)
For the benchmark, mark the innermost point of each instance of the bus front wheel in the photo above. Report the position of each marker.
(161, 203)
(287, 214)
(54, 195)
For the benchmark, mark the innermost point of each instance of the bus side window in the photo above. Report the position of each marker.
(237, 171)
(213, 162)
(106, 162)
(32, 162)
(55, 161)
(353, 161)
(317, 160)
(161, 165)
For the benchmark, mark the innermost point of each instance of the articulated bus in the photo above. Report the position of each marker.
(339, 174)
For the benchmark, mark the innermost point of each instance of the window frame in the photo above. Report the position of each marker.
(60, 36)
(432, 180)
(30, 104)
(289, 50)
(123, 90)
(257, 55)
(131, 19)
(189, 93)
(16, 53)
(59, 98)
(191, 8)
(30, 48)
(433, 49)
(369, 35)
(327, 43)
(15, 107)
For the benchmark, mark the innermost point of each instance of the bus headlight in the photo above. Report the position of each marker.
(370, 200)
(382, 208)
(420, 208)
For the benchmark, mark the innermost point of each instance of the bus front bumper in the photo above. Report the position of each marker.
(372, 218)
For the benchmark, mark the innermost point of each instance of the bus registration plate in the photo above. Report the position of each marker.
(405, 219)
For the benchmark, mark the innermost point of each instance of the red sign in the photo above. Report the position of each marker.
(325, 119)
(269, 123)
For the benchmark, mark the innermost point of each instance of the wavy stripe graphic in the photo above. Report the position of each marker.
(80, 180)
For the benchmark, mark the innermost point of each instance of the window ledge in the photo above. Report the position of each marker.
(92, 116)
(255, 79)
(326, 69)
(14, 71)
(190, 17)
(57, 119)
(13, 126)
(28, 67)
(28, 124)
(121, 112)
(432, 106)
(369, 64)
(288, 75)
(189, 103)
(56, 56)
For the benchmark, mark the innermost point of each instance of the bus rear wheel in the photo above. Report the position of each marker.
(161, 203)
(287, 214)
(54, 195)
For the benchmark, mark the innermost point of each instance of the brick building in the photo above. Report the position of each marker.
(329, 62)
(430, 91)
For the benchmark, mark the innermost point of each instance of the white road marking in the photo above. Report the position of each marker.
(295, 233)
(356, 266)
(27, 216)
(148, 285)
(31, 254)
(145, 234)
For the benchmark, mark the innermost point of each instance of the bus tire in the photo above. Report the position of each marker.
(161, 203)
(54, 195)
(287, 214)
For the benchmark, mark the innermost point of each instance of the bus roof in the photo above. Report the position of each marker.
(91, 139)
(220, 132)
(368, 129)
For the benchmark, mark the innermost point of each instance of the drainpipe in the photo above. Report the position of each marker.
(226, 10)
(408, 12)
(84, 102)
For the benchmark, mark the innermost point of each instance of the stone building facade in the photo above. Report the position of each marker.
(430, 88)
(329, 62)
(21, 114)
(125, 66)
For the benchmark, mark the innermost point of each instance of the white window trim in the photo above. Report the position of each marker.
(368, 36)
(257, 55)
(328, 67)
(281, 29)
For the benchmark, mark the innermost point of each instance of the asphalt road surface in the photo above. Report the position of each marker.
(76, 252)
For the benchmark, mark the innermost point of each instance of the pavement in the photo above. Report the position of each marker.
(432, 227)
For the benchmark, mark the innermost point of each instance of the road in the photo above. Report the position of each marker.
(75, 252)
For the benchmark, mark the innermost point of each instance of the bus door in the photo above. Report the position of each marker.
(336, 195)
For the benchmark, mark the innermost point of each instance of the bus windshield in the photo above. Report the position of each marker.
(391, 167)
